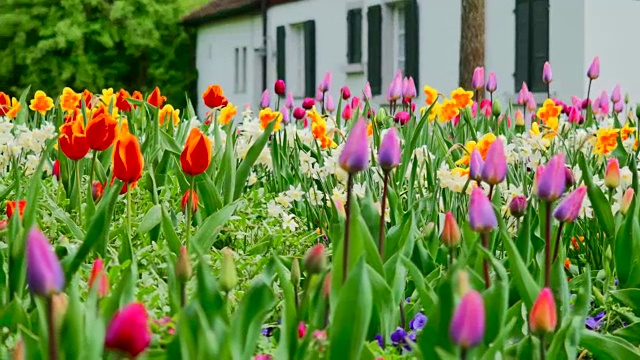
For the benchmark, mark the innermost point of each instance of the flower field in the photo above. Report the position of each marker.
(435, 226)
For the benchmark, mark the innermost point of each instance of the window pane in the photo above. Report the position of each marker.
(244, 69)
(237, 71)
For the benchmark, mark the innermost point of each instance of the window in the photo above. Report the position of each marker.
(374, 46)
(354, 36)
(240, 73)
(532, 43)
(301, 54)
(398, 38)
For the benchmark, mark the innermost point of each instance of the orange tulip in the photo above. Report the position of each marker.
(73, 140)
(101, 132)
(11, 207)
(196, 156)
(127, 158)
(69, 100)
(121, 100)
(167, 114)
(138, 96)
(5, 103)
(87, 96)
(214, 97)
(41, 102)
(156, 99)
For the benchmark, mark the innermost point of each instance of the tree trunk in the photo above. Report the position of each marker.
(471, 40)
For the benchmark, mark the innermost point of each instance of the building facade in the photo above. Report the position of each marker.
(369, 40)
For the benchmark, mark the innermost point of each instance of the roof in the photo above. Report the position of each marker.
(218, 9)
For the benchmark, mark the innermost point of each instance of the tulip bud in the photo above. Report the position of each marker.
(55, 170)
(347, 112)
(616, 94)
(569, 209)
(44, 273)
(402, 117)
(302, 329)
(492, 83)
(345, 92)
(476, 165)
(543, 317)
(594, 69)
(96, 190)
(552, 180)
(618, 107)
(519, 118)
(366, 92)
(409, 89)
(523, 94)
(18, 351)
(280, 87)
(569, 178)
(627, 198)
(295, 272)
(389, 152)
(59, 303)
(308, 103)
(496, 108)
(329, 104)
(183, 266)
(264, 99)
(612, 174)
(326, 285)
(494, 170)
(285, 114)
(463, 282)
(355, 154)
(450, 235)
(185, 201)
(482, 218)
(468, 321)
(288, 102)
(98, 274)
(128, 331)
(477, 81)
(355, 103)
(518, 206)
(574, 115)
(547, 76)
(315, 259)
(394, 92)
(429, 229)
(228, 273)
(325, 84)
(3, 225)
(299, 113)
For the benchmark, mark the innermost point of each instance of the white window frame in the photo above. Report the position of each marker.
(399, 36)
(295, 64)
(240, 70)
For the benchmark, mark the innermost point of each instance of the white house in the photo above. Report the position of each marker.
(368, 40)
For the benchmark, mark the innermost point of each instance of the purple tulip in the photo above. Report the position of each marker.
(44, 273)
(616, 94)
(319, 96)
(288, 102)
(494, 170)
(523, 94)
(355, 154)
(264, 99)
(477, 81)
(492, 83)
(547, 76)
(518, 206)
(569, 208)
(594, 69)
(366, 92)
(468, 322)
(476, 163)
(325, 84)
(329, 104)
(285, 114)
(409, 89)
(552, 180)
(482, 218)
(389, 152)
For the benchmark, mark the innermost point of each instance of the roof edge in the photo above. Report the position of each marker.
(240, 10)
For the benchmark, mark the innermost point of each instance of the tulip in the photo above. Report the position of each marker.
(389, 151)
(295, 272)
(569, 178)
(128, 331)
(366, 92)
(450, 235)
(552, 180)
(101, 132)
(315, 260)
(196, 156)
(262, 357)
(299, 113)
(302, 329)
(347, 113)
(612, 174)
(355, 154)
(494, 170)
(496, 108)
(156, 99)
(616, 94)
(228, 272)
(185, 201)
(394, 92)
(3, 225)
(569, 208)
(523, 94)
(96, 190)
(183, 266)
(519, 118)
(214, 97)
(326, 285)
(518, 206)
(531, 102)
(477, 81)
(543, 317)
(355, 103)
(308, 103)
(618, 107)
(59, 305)
(98, 274)
(492, 83)
(574, 115)
(127, 158)
(55, 169)
(264, 99)
(289, 103)
(468, 321)
(594, 69)
(44, 273)
(279, 87)
(11, 207)
(475, 165)
(345, 92)
(627, 198)
(409, 91)
(402, 117)
(329, 104)
(325, 84)
(482, 218)
(121, 100)
(73, 140)
(5, 103)
(547, 76)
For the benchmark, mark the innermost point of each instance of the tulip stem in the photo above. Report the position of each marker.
(383, 206)
(183, 294)
(129, 212)
(347, 229)
(543, 354)
(558, 236)
(79, 186)
(93, 164)
(485, 261)
(189, 205)
(403, 317)
(53, 345)
(547, 244)
(490, 191)
(463, 354)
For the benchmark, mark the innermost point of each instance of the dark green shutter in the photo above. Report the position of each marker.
(281, 54)
(539, 43)
(354, 36)
(374, 45)
(522, 43)
(310, 58)
(412, 40)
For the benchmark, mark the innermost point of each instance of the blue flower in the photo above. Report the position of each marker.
(380, 340)
(418, 322)
(268, 331)
(398, 335)
(594, 322)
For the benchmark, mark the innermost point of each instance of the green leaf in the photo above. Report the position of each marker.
(72, 334)
(288, 328)
(526, 285)
(630, 333)
(627, 249)
(601, 206)
(605, 346)
(151, 219)
(206, 235)
(496, 299)
(628, 297)
(350, 319)
(244, 169)
(170, 233)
